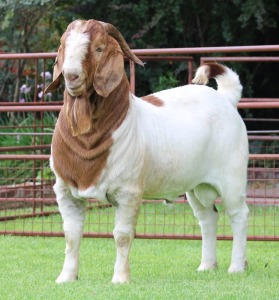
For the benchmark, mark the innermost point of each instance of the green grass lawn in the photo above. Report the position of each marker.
(161, 269)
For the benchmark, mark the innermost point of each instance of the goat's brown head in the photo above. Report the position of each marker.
(90, 57)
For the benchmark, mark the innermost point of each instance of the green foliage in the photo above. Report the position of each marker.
(25, 126)
(24, 29)
(166, 81)
(20, 22)
(27, 24)
(18, 171)
(258, 12)
(46, 174)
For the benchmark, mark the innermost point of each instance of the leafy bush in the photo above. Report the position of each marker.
(17, 171)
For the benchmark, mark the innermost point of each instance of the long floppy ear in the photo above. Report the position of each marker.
(109, 73)
(57, 72)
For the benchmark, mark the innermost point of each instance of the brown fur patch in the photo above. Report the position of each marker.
(79, 113)
(215, 69)
(153, 100)
(80, 159)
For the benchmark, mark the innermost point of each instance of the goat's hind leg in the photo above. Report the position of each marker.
(73, 212)
(238, 213)
(208, 219)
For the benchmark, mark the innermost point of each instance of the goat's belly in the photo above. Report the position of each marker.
(172, 174)
(166, 196)
(168, 188)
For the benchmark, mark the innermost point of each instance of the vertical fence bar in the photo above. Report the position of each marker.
(190, 71)
(132, 77)
(36, 80)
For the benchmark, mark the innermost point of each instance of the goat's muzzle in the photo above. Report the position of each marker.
(75, 83)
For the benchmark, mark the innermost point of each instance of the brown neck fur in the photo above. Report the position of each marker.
(89, 115)
(79, 113)
(83, 134)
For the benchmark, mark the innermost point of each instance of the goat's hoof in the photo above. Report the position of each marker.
(207, 267)
(120, 278)
(238, 268)
(65, 277)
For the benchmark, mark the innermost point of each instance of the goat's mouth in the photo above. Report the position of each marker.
(75, 90)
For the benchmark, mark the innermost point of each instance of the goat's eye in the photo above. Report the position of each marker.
(99, 49)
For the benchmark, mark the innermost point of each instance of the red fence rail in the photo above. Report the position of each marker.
(27, 201)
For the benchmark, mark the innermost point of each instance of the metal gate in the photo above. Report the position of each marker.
(27, 201)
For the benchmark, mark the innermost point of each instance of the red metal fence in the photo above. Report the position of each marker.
(27, 201)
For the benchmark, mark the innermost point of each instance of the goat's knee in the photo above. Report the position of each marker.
(122, 242)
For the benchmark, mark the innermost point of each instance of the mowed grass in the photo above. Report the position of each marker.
(161, 269)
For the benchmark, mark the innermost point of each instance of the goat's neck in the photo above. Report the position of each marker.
(80, 158)
(92, 119)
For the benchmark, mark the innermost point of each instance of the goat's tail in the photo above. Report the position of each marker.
(227, 80)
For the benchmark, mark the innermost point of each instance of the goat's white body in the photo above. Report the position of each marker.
(167, 151)
(195, 142)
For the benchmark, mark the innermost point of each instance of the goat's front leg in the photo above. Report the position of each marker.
(73, 213)
(125, 223)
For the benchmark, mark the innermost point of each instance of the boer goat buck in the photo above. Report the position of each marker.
(110, 145)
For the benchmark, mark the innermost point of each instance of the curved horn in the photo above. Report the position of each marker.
(112, 31)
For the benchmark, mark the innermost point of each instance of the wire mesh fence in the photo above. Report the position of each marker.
(28, 206)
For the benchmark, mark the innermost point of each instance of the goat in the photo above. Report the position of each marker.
(110, 145)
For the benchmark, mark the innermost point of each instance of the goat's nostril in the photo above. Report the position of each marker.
(71, 77)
